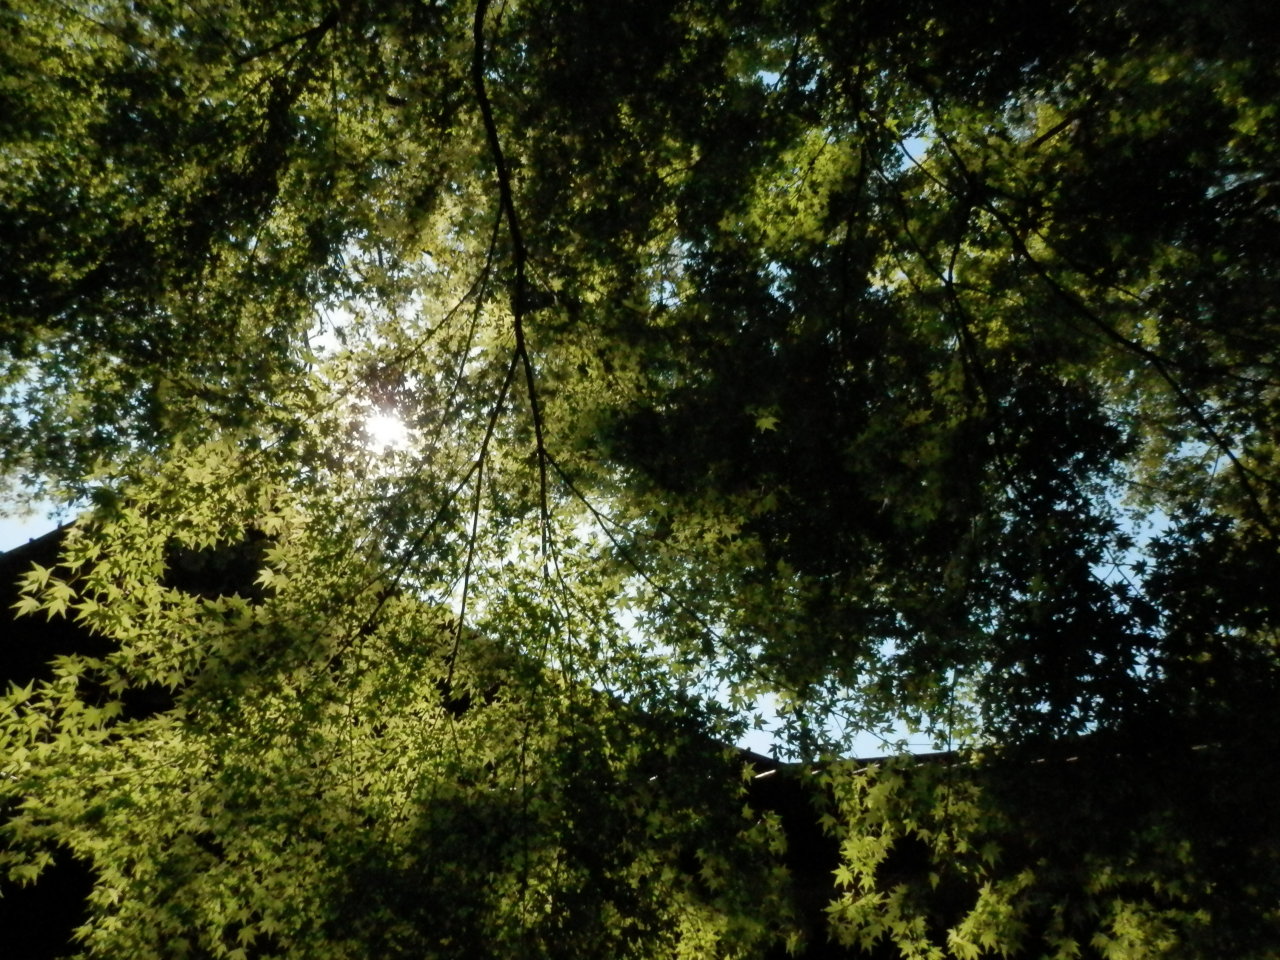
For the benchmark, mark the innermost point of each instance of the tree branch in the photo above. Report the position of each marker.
(519, 256)
(1082, 310)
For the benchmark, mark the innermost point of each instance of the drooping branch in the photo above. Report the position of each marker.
(519, 255)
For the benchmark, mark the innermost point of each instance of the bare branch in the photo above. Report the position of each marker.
(519, 255)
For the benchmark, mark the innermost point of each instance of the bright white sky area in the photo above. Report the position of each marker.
(15, 531)
(386, 432)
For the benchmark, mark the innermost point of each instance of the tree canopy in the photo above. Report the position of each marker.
(893, 366)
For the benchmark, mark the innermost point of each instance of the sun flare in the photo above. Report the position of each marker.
(386, 432)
